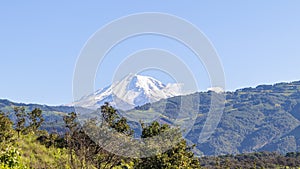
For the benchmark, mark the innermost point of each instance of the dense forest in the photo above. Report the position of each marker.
(24, 145)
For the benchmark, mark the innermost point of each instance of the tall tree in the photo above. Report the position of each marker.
(6, 131)
(113, 120)
(20, 119)
(79, 143)
(35, 119)
(72, 126)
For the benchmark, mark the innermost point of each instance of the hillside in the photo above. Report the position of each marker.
(53, 115)
(33, 148)
(23, 145)
(265, 118)
(254, 119)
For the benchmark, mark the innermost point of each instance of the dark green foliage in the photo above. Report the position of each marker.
(6, 131)
(5, 127)
(113, 120)
(35, 119)
(30, 121)
(89, 153)
(80, 145)
(178, 156)
(154, 129)
(20, 121)
(122, 126)
(52, 140)
(109, 114)
(252, 160)
(70, 122)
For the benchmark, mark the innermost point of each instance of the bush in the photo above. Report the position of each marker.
(11, 158)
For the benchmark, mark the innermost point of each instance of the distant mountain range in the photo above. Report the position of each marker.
(264, 118)
(53, 115)
(131, 91)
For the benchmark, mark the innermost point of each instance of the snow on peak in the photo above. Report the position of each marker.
(131, 91)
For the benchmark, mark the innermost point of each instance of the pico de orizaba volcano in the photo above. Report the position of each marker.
(129, 92)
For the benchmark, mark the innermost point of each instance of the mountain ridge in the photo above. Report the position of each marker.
(264, 118)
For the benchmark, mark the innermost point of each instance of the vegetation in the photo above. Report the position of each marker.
(24, 145)
(178, 156)
(265, 118)
(262, 120)
(253, 160)
(34, 148)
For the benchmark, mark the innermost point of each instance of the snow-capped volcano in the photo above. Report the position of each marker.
(132, 91)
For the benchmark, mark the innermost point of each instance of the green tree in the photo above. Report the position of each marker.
(70, 122)
(6, 131)
(9, 155)
(109, 114)
(79, 143)
(20, 119)
(154, 129)
(35, 119)
(111, 117)
(178, 156)
(72, 126)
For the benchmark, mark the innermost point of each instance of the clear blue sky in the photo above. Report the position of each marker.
(257, 41)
